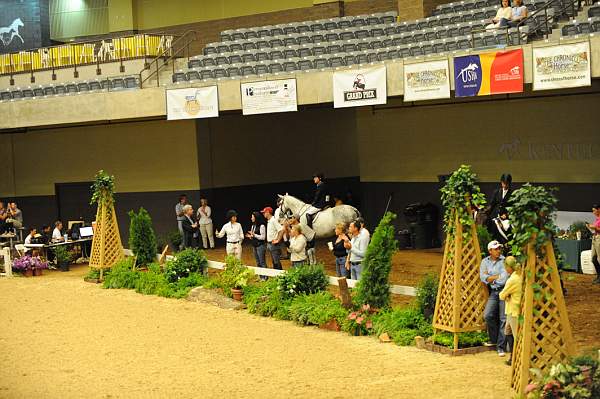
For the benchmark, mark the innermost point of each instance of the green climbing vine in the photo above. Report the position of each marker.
(103, 189)
(461, 195)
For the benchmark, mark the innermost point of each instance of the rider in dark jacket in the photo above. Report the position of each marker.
(321, 199)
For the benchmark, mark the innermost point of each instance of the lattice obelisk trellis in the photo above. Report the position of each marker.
(544, 337)
(106, 245)
(461, 296)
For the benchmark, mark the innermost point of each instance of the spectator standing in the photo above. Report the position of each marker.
(493, 274)
(258, 237)
(511, 295)
(235, 235)
(180, 215)
(189, 226)
(595, 228)
(357, 249)
(57, 235)
(274, 234)
(206, 225)
(339, 251)
(297, 246)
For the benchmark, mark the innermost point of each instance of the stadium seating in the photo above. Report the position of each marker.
(591, 25)
(73, 88)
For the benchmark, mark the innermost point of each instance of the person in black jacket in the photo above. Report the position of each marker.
(190, 226)
(499, 200)
(258, 237)
(321, 199)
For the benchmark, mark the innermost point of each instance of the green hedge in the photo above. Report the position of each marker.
(316, 309)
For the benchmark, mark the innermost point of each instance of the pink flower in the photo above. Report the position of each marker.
(530, 388)
(369, 324)
(352, 316)
(359, 320)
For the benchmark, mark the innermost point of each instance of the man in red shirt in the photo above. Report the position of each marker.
(595, 228)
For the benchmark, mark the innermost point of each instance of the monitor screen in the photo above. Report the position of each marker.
(86, 232)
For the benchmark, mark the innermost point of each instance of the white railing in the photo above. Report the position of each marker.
(5, 254)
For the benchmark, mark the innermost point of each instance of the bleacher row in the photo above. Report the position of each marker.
(557, 5)
(86, 86)
(590, 25)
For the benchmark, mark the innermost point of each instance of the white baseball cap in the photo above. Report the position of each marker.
(494, 245)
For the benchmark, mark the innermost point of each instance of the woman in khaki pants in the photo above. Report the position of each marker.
(205, 224)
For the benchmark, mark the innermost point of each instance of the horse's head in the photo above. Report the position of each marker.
(18, 23)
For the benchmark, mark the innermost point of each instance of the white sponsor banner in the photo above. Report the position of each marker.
(562, 66)
(193, 102)
(358, 87)
(426, 81)
(269, 96)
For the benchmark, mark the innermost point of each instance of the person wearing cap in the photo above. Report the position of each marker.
(493, 274)
(235, 235)
(274, 234)
(595, 229)
(511, 295)
(320, 200)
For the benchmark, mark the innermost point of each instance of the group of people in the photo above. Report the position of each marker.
(11, 217)
(508, 16)
(192, 224)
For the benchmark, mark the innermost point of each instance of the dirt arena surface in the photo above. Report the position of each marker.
(64, 338)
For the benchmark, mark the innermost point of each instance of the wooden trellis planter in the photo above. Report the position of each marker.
(461, 296)
(544, 337)
(106, 245)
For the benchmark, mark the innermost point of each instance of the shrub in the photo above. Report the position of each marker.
(374, 287)
(265, 299)
(359, 322)
(121, 275)
(174, 238)
(142, 240)
(317, 309)
(306, 279)
(94, 273)
(186, 262)
(235, 275)
(484, 236)
(402, 325)
(152, 281)
(465, 340)
(426, 295)
(578, 378)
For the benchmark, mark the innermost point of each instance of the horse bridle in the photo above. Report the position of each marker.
(303, 209)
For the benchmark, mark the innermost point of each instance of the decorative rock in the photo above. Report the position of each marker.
(212, 297)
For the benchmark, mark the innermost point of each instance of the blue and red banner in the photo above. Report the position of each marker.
(490, 73)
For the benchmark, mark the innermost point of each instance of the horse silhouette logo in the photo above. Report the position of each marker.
(359, 82)
(511, 150)
(7, 34)
(469, 72)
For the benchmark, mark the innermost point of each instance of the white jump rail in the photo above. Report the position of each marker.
(261, 271)
(5, 253)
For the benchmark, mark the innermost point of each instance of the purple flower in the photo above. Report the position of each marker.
(28, 262)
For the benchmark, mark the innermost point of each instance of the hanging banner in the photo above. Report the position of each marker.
(563, 66)
(490, 73)
(359, 87)
(269, 96)
(426, 81)
(193, 102)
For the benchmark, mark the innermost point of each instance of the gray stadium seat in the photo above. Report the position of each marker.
(251, 34)
(364, 45)
(362, 34)
(404, 51)
(206, 74)
(427, 48)
(16, 94)
(376, 31)
(60, 89)
(359, 22)
(290, 41)
(319, 50)
(210, 50)
(594, 11)
(5, 96)
(221, 60)
(350, 59)
(304, 52)
(585, 27)
(225, 37)
(361, 58)
(321, 63)
(439, 47)
(262, 56)
(346, 35)
(71, 88)
(332, 37)
(194, 63)
(349, 47)
(261, 69)
(38, 92)
(220, 73)
(451, 45)
(262, 44)
(430, 34)
(263, 32)
(373, 20)
(236, 47)
(249, 46)
(208, 62)
(275, 68)
(303, 39)
(336, 61)
(222, 48)
(27, 93)
(287, 30)
(238, 36)
(393, 54)
(344, 22)
(418, 37)
(235, 59)
(276, 31)
(570, 30)
(463, 43)
(290, 53)
(334, 48)
(193, 75)
(316, 26)
(131, 82)
(95, 85)
(290, 66)
(248, 57)
(233, 71)
(317, 38)
(388, 17)
(276, 55)
(305, 65)
(330, 25)
(303, 28)
(276, 42)
(49, 91)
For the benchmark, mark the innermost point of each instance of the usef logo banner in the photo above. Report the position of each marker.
(359, 87)
(491, 73)
(192, 103)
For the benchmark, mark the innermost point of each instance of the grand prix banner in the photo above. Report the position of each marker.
(426, 81)
(359, 87)
(490, 73)
(269, 96)
(193, 102)
(563, 66)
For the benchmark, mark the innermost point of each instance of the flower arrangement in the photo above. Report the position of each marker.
(28, 262)
(360, 322)
(578, 378)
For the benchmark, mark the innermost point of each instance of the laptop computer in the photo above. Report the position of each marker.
(85, 232)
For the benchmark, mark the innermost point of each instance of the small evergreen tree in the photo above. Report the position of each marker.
(374, 286)
(142, 240)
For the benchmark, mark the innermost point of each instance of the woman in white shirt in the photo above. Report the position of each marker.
(502, 17)
(297, 246)
(235, 235)
(205, 222)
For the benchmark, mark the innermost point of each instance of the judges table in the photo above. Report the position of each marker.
(572, 249)
(81, 241)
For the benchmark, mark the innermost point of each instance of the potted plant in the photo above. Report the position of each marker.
(235, 277)
(63, 258)
(29, 265)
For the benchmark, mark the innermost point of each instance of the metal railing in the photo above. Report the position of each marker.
(180, 48)
(73, 55)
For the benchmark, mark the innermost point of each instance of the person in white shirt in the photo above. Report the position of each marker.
(205, 223)
(274, 235)
(57, 232)
(297, 246)
(502, 17)
(235, 235)
(29, 238)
